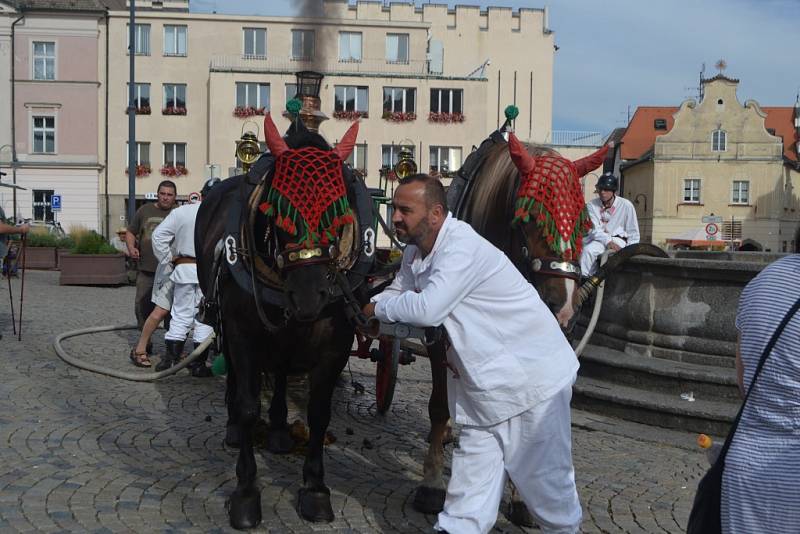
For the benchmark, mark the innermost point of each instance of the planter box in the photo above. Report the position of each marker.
(39, 258)
(92, 270)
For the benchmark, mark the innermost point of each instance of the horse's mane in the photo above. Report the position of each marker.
(489, 207)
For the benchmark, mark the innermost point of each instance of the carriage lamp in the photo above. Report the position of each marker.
(247, 150)
(405, 166)
(308, 83)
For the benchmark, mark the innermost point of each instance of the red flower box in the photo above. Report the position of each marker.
(399, 116)
(173, 110)
(142, 170)
(248, 111)
(350, 115)
(174, 170)
(445, 117)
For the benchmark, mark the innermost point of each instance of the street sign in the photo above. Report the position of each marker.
(712, 219)
(55, 202)
(194, 198)
(712, 229)
(151, 196)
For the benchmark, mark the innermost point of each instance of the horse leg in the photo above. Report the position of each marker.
(244, 505)
(430, 495)
(517, 510)
(233, 431)
(314, 499)
(278, 439)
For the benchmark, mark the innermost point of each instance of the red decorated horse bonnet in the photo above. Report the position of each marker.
(307, 195)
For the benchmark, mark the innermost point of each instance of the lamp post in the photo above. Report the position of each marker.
(132, 115)
(11, 165)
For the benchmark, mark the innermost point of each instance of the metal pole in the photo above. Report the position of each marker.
(22, 285)
(11, 296)
(132, 116)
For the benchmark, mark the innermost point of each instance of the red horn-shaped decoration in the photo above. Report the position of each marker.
(275, 142)
(586, 165)
(521, 158)
(345, 146)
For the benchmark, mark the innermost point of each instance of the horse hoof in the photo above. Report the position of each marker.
(315, 506)
(233, 436)
(429, 500)
(519, 515)
(244, 509)
(279, 441)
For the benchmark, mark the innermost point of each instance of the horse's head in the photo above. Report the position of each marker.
(309, 211)
(551, 218)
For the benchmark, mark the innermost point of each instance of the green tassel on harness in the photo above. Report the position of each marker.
(293, 106)
(512, 112)
(219, 367)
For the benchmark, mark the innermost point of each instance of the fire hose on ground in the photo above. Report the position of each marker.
(124, 375)
(598, 303)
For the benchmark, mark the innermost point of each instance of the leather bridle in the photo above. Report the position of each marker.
(547, 265)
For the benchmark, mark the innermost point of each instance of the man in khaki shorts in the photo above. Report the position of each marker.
(161, 298)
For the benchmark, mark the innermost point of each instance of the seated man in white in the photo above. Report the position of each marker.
(614, 224)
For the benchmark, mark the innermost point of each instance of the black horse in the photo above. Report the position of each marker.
(275, 249)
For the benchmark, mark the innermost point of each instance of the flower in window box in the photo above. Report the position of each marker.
(174, 110)
(143, 110)
(350, 115)
(174, 170)
(399, 116)
(243, 112)
(142, 169)
(445, 117)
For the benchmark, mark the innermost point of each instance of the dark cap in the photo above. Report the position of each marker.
(607, 182)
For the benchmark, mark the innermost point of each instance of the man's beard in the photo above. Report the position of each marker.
(419, 233)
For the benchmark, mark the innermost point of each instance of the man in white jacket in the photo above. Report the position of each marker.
(614, 224)
(513, 369)
(177, 231)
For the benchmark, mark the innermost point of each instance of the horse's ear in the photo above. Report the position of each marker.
(519, 155)
(345, 146)
(586, 165)
(275, 142)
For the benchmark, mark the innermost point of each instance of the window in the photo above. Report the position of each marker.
(174, 40)
(399, 99)
(390, 154)
(719, 141)
(174, 99)
(142, 154)
(44, 135)
(351, 98)
(44, 60)
(141, 97)
(447, 101)
(445, 159)
(358, 158)
(291, 91)
(660, 124)
(141, 39)
(741, 192)
(252, 95)
(175, 154)
(691, 190)
(397, 47)
(302, 44)
(350, 46)
(255, 43)
(42, 205)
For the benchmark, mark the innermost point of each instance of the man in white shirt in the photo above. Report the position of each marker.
(176, 233)
(614, 224)
(513, 369)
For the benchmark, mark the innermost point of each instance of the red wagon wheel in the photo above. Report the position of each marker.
(388, 357)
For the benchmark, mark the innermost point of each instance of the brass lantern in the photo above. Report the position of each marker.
(405, 166)
(247, 149)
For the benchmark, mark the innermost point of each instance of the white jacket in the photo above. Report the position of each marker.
(177, 230)
(506, 345)
(617, 221)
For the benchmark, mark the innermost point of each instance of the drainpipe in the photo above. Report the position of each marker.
(13, 120)
(105, 163)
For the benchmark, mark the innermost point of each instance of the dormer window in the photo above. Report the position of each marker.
(660, 124)
(719, 141)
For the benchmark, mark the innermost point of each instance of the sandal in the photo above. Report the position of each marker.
(140, 359)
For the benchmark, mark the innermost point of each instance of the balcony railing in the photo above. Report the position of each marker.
(226, 63)
(574, 138)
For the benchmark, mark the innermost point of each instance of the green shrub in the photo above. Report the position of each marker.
(91, 243)
(41, 239)
(66, 242)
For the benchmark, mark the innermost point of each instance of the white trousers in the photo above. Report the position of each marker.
(535, 450)
(185, 300)
(593, 250)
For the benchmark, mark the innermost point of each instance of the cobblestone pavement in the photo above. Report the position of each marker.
(81, 452)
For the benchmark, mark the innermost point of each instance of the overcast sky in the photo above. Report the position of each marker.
(619, 53)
